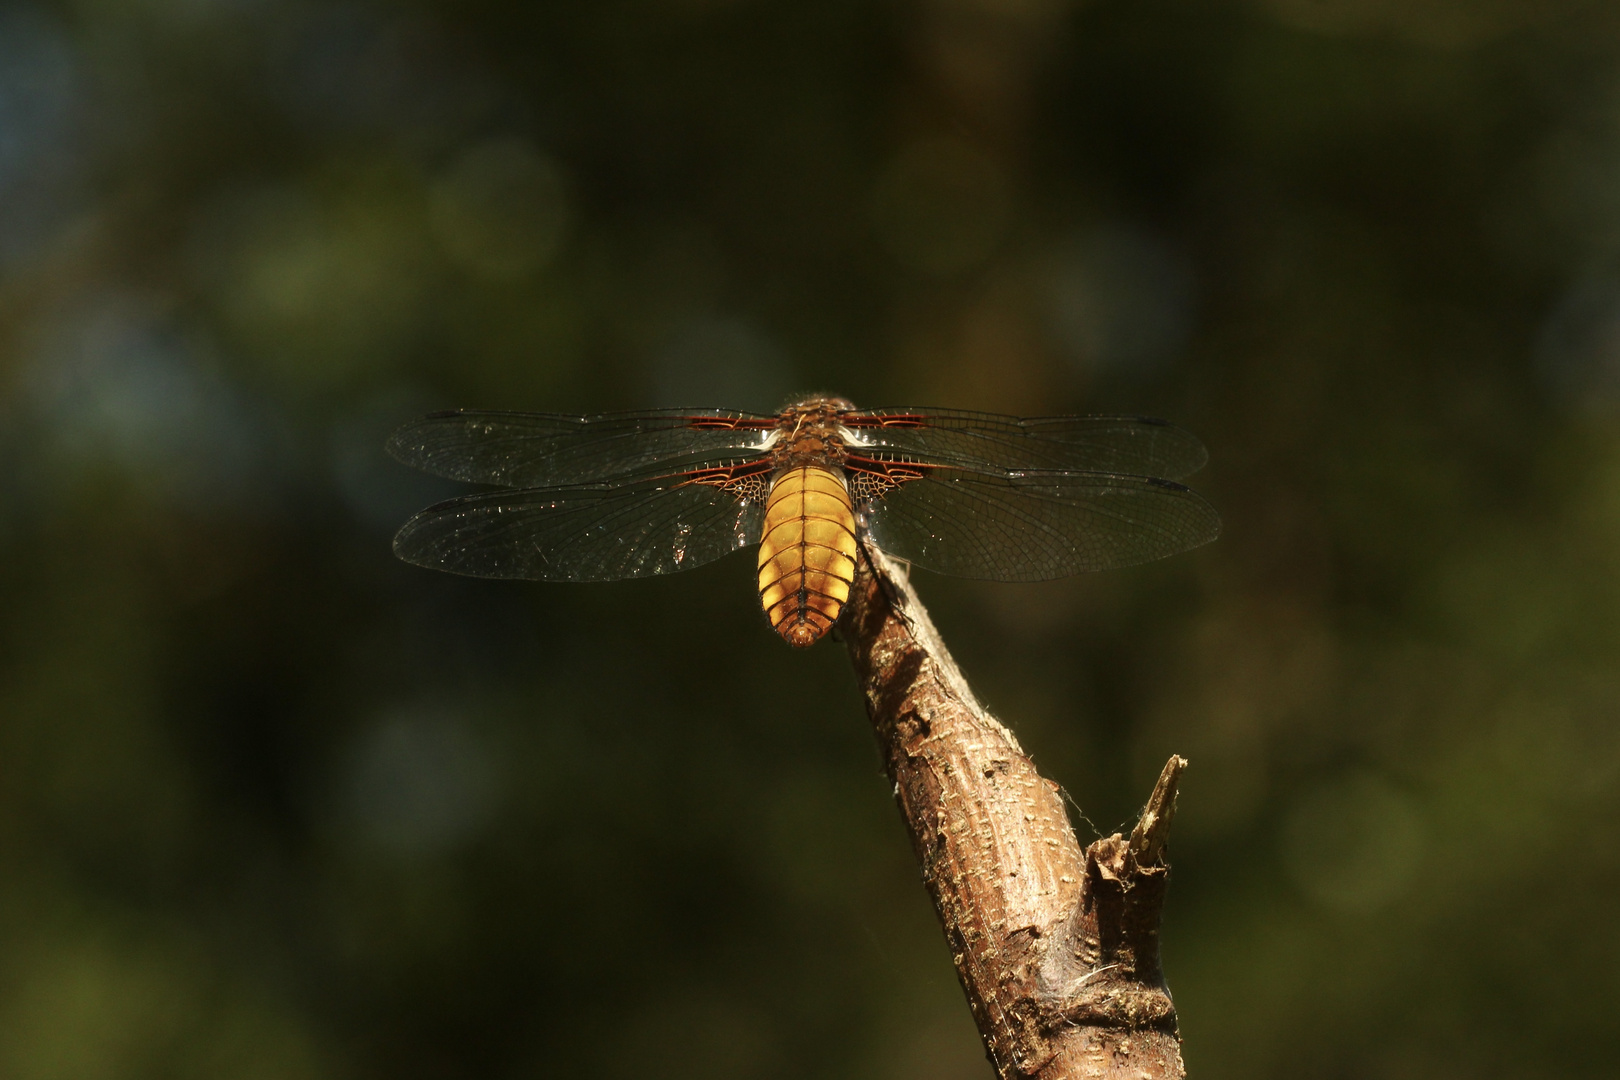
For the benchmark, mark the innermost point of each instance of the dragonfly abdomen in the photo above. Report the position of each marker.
(806, 553)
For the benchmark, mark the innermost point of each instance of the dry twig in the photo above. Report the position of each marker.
(1057, 947)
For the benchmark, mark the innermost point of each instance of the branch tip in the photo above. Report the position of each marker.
(1152, 830)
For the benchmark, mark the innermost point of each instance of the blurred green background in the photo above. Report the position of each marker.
(273, 805)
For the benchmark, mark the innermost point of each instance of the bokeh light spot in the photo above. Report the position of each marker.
(1354, 844)
(941, 205)
(40, 129)
(500, 210)
(1578, 349)
(112, 385)
(320, 286)
(721, 362)
(1121, 301)
(421, 783)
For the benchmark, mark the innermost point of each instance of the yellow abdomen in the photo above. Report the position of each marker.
(807, 554)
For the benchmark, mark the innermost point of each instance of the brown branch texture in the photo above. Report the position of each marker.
(1057, 947)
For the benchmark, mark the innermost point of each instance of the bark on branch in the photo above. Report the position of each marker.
(1056, 947)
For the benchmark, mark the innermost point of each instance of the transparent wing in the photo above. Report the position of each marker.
(540, 450)
(1129, 445)
(593, 533)
(1031, 526)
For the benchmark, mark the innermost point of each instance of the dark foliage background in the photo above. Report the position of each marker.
(273, 805)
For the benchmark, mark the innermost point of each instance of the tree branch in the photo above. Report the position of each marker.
(1056, 947)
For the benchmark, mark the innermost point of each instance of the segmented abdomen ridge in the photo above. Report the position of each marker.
(807, 553)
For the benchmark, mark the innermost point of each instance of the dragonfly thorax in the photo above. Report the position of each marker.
(810, 432)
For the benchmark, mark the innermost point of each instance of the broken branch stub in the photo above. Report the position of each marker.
(1057, 947)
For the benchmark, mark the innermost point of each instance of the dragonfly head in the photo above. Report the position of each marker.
(819, 403)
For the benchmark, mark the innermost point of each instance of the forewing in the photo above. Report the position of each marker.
(590, 533)
(1128, 445)
(540, 450)
(1028, 526)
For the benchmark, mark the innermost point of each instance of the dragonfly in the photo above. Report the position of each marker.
(969, 494)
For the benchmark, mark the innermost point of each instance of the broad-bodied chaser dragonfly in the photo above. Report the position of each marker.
(602, 498)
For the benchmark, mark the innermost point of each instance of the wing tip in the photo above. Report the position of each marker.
(402, 445)
(398, 447)
(407, 546)
(415, 545)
